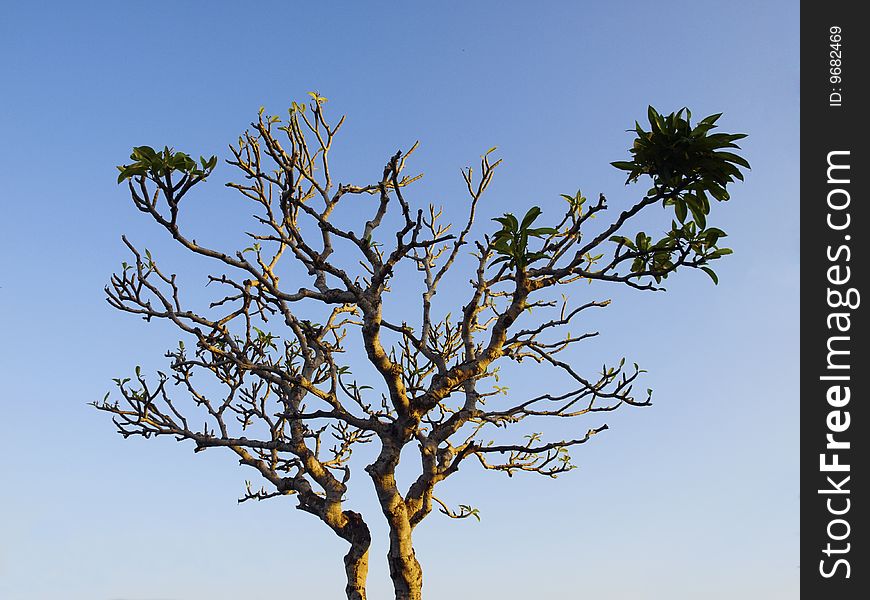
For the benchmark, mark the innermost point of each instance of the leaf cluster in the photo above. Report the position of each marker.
(511, 242)
(688, 166)
(673, 151)
(659, 257)
(153, 164)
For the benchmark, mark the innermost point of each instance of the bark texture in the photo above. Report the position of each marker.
(356, 566)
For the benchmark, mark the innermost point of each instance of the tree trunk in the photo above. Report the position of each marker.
(356, 566)
(356, 561)
(405, 571)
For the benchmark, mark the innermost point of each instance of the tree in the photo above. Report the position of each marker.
(289, 406)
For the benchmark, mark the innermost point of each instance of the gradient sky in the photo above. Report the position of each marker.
(695, 497)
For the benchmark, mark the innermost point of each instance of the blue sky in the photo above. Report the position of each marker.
(694, 497)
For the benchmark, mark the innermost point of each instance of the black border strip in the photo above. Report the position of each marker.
(835, 235)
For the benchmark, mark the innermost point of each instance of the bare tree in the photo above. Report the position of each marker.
(291, 409)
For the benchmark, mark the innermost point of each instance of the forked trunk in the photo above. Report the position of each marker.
(405, 571)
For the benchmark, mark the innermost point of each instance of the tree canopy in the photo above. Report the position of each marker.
(282, 396)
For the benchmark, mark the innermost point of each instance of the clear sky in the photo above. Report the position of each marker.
(695, 497)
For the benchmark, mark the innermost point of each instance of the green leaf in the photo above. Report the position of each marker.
(711, 119)
(720, 252)
(509, 221)
(143, 153)
(654, 118)
(642, 241)
(680, 209)
(730, 157)
(698, 216)
(712, 274)
(540, 231)
(530, 217)
(500, 260)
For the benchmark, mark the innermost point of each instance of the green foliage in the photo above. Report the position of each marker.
(658, 257)
(265, 339)
(470, 511)
(674, 153)
(688, 166)
(575, 202)
(155, 165)
(317, 97)
(512, 241)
